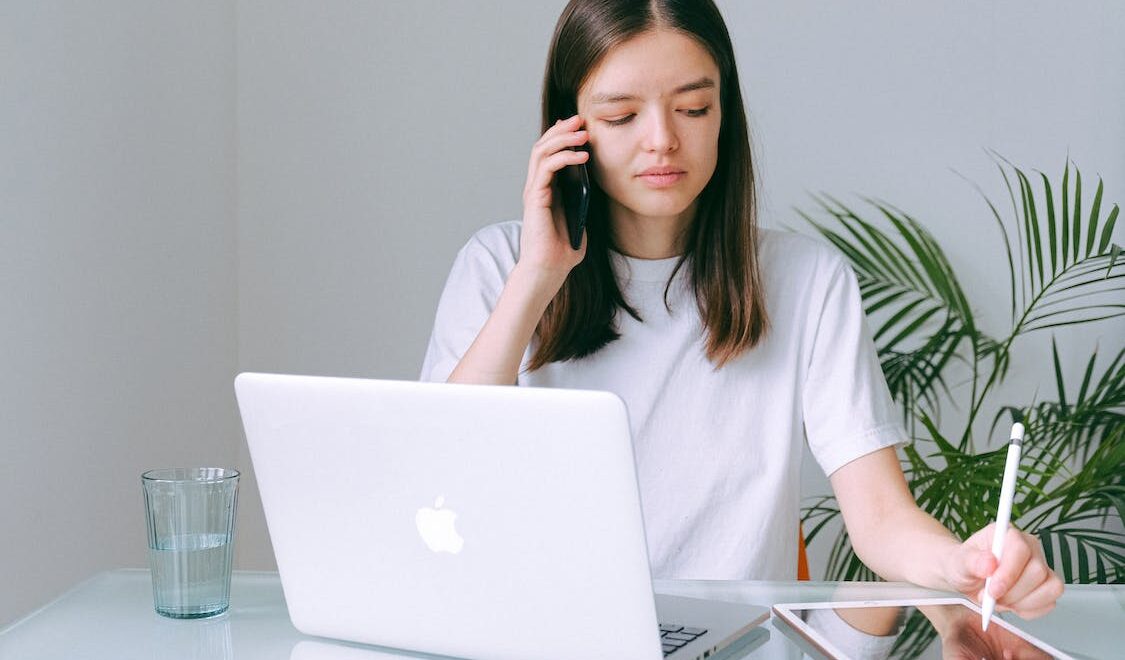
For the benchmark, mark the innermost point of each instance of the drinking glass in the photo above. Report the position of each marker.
(189, 513)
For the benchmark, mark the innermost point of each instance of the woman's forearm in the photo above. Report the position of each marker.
(906, 544)
(495, 356)
(889, 532)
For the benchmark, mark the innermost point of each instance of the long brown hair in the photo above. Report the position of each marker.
(722, 241)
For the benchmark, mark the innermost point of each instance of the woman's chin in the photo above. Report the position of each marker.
(669, 208)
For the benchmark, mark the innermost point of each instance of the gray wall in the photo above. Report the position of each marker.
(118, 333)
(202, 188)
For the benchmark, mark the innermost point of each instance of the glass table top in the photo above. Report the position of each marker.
(111, 616)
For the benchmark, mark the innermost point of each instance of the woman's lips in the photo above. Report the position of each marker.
(662, 180)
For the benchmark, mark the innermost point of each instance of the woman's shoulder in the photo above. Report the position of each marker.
(797, 252)
(499, 234)
(800, 273)
(499, 242)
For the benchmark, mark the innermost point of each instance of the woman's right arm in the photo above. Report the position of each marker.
(545, 260)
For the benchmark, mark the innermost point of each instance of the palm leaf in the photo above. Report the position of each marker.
(963, 493)
(821, 512)
(1061, 282)
(1085, 555)
(916, 376)
(1063, 429)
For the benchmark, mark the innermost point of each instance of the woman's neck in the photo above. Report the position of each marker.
(649, 237)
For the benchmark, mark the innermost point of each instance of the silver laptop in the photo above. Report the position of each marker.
(468, 521)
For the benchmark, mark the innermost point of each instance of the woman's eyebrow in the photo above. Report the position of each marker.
(702, 83)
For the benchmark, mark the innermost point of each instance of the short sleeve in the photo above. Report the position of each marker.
(851, 641)
(848, 410)
(471, 291)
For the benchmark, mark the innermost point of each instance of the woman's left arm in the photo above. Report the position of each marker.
(899, 541)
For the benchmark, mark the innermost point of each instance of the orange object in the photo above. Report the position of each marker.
(802, 556)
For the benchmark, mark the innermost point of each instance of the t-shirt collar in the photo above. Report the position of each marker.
(645, 270)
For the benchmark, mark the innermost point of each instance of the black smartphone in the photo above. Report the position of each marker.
(574, 185)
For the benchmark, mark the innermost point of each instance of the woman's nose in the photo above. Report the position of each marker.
(660, 135)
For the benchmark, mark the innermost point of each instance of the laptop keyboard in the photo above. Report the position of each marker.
(673, 637)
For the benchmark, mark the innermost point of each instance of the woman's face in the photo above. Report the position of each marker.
(651, 107)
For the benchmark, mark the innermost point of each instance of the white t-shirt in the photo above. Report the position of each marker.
(718, 452)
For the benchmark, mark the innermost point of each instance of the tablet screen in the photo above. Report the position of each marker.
(940, 629)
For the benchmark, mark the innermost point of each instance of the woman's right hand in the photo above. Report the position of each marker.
(544, 240)
(546, 258)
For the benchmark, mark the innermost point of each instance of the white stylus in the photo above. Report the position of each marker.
(1003, 514)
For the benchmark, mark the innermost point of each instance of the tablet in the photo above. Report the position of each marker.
(920, 628)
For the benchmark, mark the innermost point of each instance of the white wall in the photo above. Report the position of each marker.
(117, 275)
(190, 189)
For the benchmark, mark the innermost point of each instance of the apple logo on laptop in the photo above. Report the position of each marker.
(436, 525)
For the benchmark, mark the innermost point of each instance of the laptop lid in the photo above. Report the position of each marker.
(477, 521)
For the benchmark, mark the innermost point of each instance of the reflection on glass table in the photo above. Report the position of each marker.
(923, 630)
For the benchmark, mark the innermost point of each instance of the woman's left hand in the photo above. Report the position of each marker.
(1021, 581)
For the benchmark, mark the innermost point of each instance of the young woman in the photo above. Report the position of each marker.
(731, 346)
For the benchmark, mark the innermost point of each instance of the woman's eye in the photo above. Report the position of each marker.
(690, 112)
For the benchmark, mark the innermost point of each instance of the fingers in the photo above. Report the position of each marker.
(551, 153)
(1013, 562)
(565, 133)
(556, 145)
(568, 124)
(538, 191)
(560, 135)
(1023, 582)
(973, 562)
(1039, 601)
(979, 565)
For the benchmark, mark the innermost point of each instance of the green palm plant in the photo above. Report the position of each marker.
(1061, 261)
